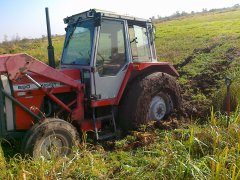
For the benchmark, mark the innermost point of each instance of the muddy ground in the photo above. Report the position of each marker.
(206, 83)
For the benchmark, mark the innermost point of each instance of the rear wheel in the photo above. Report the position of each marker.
(150, 98)
(52, 138)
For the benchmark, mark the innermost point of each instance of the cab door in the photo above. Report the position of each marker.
(111, 59)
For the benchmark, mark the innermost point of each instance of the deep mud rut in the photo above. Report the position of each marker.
(205, 83)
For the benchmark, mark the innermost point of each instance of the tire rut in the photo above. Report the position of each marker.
(205, 83)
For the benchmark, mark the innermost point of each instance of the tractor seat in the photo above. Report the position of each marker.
(117, 60)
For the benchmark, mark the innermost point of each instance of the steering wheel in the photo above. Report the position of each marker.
(100, 62)
(80, 53)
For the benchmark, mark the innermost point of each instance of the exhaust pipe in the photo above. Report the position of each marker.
(51, 59)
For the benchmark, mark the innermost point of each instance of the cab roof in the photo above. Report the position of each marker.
(96, 12)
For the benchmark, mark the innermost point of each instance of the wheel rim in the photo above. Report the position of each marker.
(54, 145)
(157, 108)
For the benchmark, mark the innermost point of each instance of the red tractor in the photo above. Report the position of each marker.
(109, 78)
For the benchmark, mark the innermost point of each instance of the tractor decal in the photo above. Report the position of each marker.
(20, 87)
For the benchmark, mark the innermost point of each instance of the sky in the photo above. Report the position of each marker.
(26, 18)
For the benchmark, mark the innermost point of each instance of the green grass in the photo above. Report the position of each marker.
(212, 42)
(210, 151)
(178, 38)
(36, 48)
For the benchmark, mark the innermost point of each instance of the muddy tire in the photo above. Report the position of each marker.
(51, 138)
(150, 98)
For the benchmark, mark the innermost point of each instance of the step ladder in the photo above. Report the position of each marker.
(106, 118)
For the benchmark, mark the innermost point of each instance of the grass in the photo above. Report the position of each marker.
(205, 48)
(178, 38)
(36, 48)
(210, 151)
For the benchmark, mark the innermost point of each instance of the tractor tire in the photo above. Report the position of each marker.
(51, 138)
(150, 98)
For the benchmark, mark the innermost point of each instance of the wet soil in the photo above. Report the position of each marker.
(140, 94)
(146, 135)
(205, 83)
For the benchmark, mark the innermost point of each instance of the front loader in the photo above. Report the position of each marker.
(109, 78)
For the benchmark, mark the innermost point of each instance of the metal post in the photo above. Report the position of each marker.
(228, 82)
(50, 48)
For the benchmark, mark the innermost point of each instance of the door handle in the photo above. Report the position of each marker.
(125, 67)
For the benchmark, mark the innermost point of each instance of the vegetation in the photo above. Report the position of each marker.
(35, 47)
(211, 151)
(204, 48)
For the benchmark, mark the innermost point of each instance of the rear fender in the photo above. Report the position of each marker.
(148, 68)
(138, 71)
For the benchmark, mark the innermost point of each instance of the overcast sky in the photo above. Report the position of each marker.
(27, 17)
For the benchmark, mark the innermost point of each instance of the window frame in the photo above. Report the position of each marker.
(126, 45)
(67, 39)
(145, 25)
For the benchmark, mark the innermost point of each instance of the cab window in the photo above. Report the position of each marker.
(111, 52)
(78, 43)
(139, 43)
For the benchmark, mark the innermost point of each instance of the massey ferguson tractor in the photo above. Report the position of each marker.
(109, 79)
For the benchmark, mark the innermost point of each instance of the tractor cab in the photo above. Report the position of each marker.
(103, 45)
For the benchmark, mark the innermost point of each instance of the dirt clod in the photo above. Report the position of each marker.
(231, 53)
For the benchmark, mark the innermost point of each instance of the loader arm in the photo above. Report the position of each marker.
(19, 64)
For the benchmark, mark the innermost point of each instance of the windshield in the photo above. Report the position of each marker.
(78, 43)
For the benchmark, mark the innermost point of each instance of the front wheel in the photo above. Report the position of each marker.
(52, 138)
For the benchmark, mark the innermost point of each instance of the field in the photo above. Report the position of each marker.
(205, 48)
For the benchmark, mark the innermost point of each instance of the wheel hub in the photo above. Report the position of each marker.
(157, 109)
(54, 145)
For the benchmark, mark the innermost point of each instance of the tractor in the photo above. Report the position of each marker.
(109, 79)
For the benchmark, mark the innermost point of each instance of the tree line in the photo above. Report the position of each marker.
(178, 14)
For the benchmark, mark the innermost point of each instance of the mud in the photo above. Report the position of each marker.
(145, 136)
(232, 53)
(141, 139)
(205, 83)
(193, 107)
(170, 123)
(196, 51)
(152, 85)
(139, 96)
(185, 62)
(205, 50)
